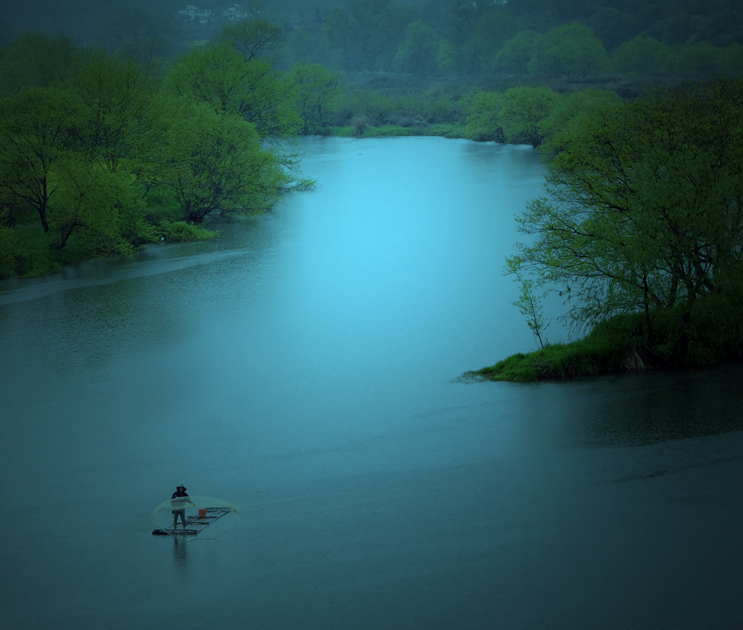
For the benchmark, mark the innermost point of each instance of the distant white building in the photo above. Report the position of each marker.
(192, 13)
(235, 12)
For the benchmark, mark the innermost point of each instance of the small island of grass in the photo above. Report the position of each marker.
(714, 335)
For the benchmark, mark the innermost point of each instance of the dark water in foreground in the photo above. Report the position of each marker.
(305, 367)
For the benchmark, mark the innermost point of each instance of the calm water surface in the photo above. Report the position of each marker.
(304, 366)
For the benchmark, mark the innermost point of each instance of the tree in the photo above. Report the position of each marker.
(39, 128)
(97, 212)
(35, 60)
(571, 50)
(571, 110)
(45, 164)
(366, 34)
(702, 59)
(523, 111)
(530, 307)
(120, 129)
(645, 205)
(418, 52)
(642, 55)
(253, 38)
(483, 118)
(219, 76)
(493, 27)
(514, 56)
(217, 164)
(141, 36)
(316, 88)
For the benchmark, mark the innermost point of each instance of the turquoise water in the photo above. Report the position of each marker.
(305, 367)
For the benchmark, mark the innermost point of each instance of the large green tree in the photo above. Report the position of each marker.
(570, 50)
(216, 164)
(219, 76)
(419, 51)
(316, 89)
(642, 55)
(35, 60)
(523, 112)
(253, 38)
(121, 128)
(644, 209)
(39, 130)
(516, 53)
(144, 37)
(483, 117)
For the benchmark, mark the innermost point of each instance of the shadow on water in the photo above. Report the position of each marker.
(646, 408)
(180, 554)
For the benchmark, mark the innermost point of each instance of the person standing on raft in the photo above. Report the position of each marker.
(179, 500)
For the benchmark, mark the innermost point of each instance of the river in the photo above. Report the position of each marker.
(305, 366)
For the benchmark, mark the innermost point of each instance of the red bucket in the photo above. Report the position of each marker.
(202, 513)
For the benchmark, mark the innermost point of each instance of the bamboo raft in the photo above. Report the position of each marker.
(195, 524)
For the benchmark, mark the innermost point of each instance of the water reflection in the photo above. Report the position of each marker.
(641, 409)
(180, 553)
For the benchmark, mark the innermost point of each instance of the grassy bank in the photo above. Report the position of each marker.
(444, 130)
(713, 336)
(28, 252)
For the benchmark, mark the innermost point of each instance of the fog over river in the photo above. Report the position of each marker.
(305, 367)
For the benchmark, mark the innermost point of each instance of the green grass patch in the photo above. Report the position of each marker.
(182, 231)
(444, 130)
(713, 335)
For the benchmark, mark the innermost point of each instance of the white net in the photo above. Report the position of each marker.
(196, 516)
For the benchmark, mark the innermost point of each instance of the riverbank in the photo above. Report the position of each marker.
(713, 336)
(441, 130)
(28, 252)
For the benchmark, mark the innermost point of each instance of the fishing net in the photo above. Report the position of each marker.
(195, 517)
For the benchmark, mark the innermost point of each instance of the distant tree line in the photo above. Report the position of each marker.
(535, 37)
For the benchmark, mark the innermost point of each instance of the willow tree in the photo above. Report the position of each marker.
(220, 77)
(216, 163)
(253, 38)
(644, 205)
(39, 129)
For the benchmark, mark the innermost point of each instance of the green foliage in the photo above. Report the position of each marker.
(182, 231)
(145, 38)
(517, 52)
(523, 112)
(217, 163)
(488, 32)
(571, 50)
(558, 361)
(9, 252)
(307, 44)
(253, 38)
(316, 91)
(96, 212)
(570, 111)
(35, 60)
(375, 107)
(530, 307)
(643, 55)
(219, 76)
(644, 207)
(365, 34)
(483, 119)
(419, 51)
(700, 59)
(38, 131)
(122, 110)
(517, 115)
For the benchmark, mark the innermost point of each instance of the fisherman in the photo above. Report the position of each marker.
(179, 500)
